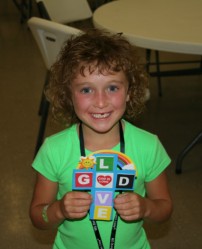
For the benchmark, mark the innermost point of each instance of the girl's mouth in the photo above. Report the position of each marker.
(100, 115)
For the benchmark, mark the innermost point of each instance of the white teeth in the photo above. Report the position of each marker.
(101, 115)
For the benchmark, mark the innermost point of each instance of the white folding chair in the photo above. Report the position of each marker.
(50, 37)
(64, 11)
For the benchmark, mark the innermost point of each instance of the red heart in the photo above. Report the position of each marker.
(104, 180)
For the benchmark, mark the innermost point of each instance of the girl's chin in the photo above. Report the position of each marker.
(99, 121)
(101, 127)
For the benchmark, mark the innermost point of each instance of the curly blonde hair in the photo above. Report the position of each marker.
(95, 50)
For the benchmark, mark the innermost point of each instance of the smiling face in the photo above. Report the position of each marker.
(100, 99)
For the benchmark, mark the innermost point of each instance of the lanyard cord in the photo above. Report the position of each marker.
(94, 223)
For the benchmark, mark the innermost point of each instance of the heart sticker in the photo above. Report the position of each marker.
(104, 180)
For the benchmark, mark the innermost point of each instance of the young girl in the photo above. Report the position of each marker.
(96, 88)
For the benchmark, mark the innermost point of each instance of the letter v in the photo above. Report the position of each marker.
(102, 198)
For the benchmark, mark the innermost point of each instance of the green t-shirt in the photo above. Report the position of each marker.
(60, 154)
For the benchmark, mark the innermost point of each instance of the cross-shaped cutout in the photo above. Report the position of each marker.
(101, 174)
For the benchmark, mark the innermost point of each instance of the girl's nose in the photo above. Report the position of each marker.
(101, 99)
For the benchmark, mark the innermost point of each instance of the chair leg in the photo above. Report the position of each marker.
(181, 156)
(44, 116)
(148, 59)
(43, 112)
(43, 98)
(148, 62)
(25, 9)
(158, 73)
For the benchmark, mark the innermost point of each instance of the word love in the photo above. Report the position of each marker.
(103, 178)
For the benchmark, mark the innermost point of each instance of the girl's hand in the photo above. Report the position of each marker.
(75, 204)
(156, 207)
(130, 206)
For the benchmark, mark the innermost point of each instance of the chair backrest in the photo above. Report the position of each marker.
(50, 37)
(64, 11)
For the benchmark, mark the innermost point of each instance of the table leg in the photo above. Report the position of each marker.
(185, 151)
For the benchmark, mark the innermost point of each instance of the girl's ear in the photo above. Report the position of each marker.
(127, 97)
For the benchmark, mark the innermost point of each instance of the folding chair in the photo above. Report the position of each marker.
(64, 11)
(50, 37)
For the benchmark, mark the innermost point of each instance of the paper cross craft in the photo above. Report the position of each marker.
(103, 173)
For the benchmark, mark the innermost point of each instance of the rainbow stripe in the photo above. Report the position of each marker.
(123, 159)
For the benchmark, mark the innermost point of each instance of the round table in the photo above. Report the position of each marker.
(164, 25)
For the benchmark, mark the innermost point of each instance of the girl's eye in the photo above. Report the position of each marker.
(113, 88)
(86, 90)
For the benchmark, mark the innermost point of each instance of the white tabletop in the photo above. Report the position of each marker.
(164, 25)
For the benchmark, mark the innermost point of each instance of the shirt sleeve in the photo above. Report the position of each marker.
(44, 162)
(157, 161)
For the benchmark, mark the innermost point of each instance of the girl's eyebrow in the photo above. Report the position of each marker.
(83, 83)
(108, 82)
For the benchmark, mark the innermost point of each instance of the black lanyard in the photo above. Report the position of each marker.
(94, 223)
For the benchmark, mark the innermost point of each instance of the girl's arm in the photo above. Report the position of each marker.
(158, 202)
(157, 206)
(47, 212)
